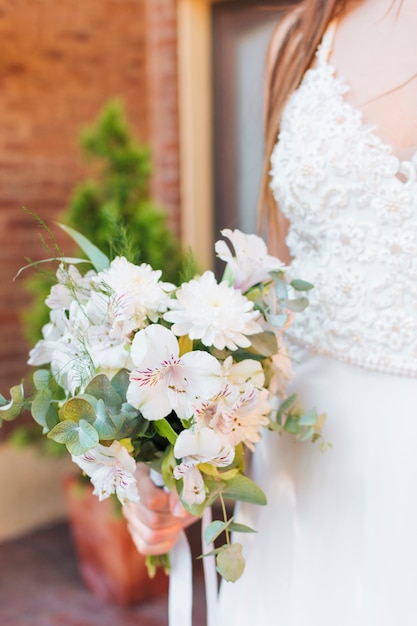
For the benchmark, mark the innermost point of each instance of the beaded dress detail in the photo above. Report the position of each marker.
(352, 207)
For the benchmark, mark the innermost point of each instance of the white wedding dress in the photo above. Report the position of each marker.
(337, 542)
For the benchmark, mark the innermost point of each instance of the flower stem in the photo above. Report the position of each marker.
(226, 530)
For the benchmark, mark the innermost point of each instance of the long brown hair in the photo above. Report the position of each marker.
(298, 36)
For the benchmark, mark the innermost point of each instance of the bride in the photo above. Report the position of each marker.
(337, 543)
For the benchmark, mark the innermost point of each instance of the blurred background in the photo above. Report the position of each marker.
(188, 76)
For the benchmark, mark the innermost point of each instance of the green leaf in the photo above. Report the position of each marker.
(41, 379)
(78, 437)
(12, 409)
(213, 531)
(104, 423)
(96, 256)
(164, 428)
(264, 343)
(77, 409)
(101, 388)
(120, 382)
(287, 404)
(309, 418)
(308, 434)
(297, 304)
(167, 468)
(241, 528)
(277, 320)
(243, 489)
(301, 285)
(281, 289)
(230, 562)
(40, 406)
(291, 426)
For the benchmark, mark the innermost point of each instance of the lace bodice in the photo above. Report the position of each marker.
(352, 207)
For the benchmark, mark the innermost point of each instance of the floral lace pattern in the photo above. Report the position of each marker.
(352, 207)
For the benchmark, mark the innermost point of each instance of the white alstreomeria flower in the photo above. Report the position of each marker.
(111, 470)
(162, 381)
(215, 313)
(138, 291)
(251, 263)
(196, 446)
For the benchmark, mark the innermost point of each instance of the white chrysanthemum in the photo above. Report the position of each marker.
(139, 293)
(214, 312)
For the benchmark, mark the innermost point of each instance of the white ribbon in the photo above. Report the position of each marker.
(210, 575)
(180, 598)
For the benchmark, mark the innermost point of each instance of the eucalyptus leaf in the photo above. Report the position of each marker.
(101, 388)
(77, 409)
(241, 528)
(213, 531)
(291, 426)
(281, 289)
(230, 562)
(243, 489)
(287, 404)
(42, 379)
(309, 418)
(104, 423)
(40, 406)
(96, 256)
(297, 304)
(78, 437)
(120, 382)
(277, 320)
(308, 434)
(12, 409)
(301, 285)
(51, 419)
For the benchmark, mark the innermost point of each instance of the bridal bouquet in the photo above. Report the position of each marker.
(183, 378)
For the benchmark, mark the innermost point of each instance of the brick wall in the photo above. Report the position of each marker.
(161, 55)
(59, 63)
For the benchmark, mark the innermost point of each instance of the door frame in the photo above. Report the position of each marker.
(196, 126)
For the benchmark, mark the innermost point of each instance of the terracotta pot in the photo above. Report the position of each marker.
(109, 563)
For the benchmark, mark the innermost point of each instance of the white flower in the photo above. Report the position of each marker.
(215, 313)
(52, 332)
(251, 263)
(139, 293)
(71, 285)
(243, 422)
(162, 381)
(237, 414)
(111, 470)
(196, 446)
(243, 372)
